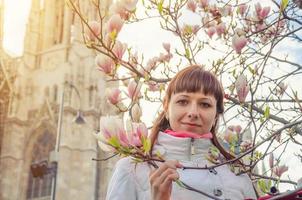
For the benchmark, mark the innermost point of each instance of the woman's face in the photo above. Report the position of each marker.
(194, 112)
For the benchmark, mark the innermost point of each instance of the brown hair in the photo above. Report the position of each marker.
(192, 79)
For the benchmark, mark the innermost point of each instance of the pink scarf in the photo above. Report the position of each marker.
(186, 134)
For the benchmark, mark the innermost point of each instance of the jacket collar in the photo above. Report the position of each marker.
(184, 149)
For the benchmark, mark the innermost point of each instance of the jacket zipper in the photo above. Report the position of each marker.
(192, 148)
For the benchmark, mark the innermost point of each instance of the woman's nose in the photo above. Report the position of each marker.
(193, 116)
(193, 112)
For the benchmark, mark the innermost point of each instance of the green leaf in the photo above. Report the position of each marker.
(113, 141)
(146, 144)
(147, 77)
(262, 185)
(267, 112)
(284, 4)
(157, 153)
(269, 184)
(180, 184)
(251, 70)
(232, 149)
(187, 53)
(160, 6)
(113, 35)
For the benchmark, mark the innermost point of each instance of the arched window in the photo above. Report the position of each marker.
(41, 173)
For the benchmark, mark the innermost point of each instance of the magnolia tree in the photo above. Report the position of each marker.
(242, 43)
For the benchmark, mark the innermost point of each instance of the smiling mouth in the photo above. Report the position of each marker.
(190, 124)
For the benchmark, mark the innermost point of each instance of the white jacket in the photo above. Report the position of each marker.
(131, 181)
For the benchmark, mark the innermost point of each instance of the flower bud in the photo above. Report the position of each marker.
(136, 113)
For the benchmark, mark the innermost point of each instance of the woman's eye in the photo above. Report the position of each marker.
(182, 102)
(205, 105)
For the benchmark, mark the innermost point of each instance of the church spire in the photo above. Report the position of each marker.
(32, 41)
(1, 22)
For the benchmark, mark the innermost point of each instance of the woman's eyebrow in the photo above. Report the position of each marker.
(187, 96)
(182, 95)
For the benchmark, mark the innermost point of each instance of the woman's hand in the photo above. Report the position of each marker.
(161, 180)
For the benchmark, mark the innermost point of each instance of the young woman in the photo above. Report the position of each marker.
(183, 134)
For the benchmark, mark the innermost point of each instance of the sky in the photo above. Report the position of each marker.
(16, 12)
(15, 19)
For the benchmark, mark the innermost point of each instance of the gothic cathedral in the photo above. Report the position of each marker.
(51, 99)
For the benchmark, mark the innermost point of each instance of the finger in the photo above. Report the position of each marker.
(159, 175)
(170, 164)
(161, 178)
(163, 183)
(174, 164)
(168, 180)
(160, 170)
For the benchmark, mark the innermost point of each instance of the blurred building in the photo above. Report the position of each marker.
(31, 87)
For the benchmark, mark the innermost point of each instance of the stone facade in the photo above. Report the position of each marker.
(31, 87)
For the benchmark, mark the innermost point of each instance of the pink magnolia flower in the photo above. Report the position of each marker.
(95, 30)
(118, 8)
(214, 10)
(260, 27)
(138, 133)
(271, 160)
(238, 43)
(151, 64)
(237, 129)
(104, 63)
(113, 96)
(220, 29)
(123, 138)
(167, 46)
(279, 170)
(124, 8)
(281, 88)
(119, 49)
(134, 90)
(239, 31)
(242, 9)
(263, 39)
(211, 31)
(111, 128)
(258, 8)
(129, 5)
(262, 13)
(232, 133)
(115, 24)
(226, 10)
(165, 57)
(230, 136)
(242, 88)
(153, 86)
(191, 5)
(203, 3)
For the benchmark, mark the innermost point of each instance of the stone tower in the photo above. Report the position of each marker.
(54, 58)
(1, 21)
